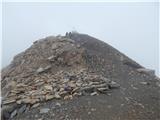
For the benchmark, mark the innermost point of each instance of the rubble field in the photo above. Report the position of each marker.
(70, 67)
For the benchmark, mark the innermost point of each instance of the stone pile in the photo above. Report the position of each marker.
(52, 68)
(62, 85)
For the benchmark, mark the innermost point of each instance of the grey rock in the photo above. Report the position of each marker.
(13, 114)
(60, 59)
(40, 119)
(40, 70)
(94, 93)
(51, 58)
(54, 46)
(113, 84)
(102, 89)
(146, 71)
(22, 109)
(36, 116)
(144, 83)
(5, 102)
(48, 67)
(78, 45)
(93, 109)
(44, 110)
(35, 105)
(58, 104)
(106, 80)
(89, 113)
(100, 85)
(27, 109)
(94, 83)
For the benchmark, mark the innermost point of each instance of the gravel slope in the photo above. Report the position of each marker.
(138, 97)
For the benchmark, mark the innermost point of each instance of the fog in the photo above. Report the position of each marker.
(132, 28)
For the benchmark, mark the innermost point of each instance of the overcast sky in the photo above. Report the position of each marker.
(80, 0)
(131, 28)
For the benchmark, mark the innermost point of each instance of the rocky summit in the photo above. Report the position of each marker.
(77, 77)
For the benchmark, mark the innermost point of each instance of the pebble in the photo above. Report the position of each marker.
(35, 105)
(141, 105)
(94, 93)
(12, 84)
(36, 116)
(49, 97)
(48, 67)
(78, 45)
(44, 110)
(58, 104)
(113, 84)
(51, 58)
(109, 106)
(39, 70)
(54, 46)
(48, 87)
(144, 83)
(122, 105)
(102, 89)
(135, 88)
(66, 97)
(57, 96)
(39, 119)
(89, 113)
(93, 109)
